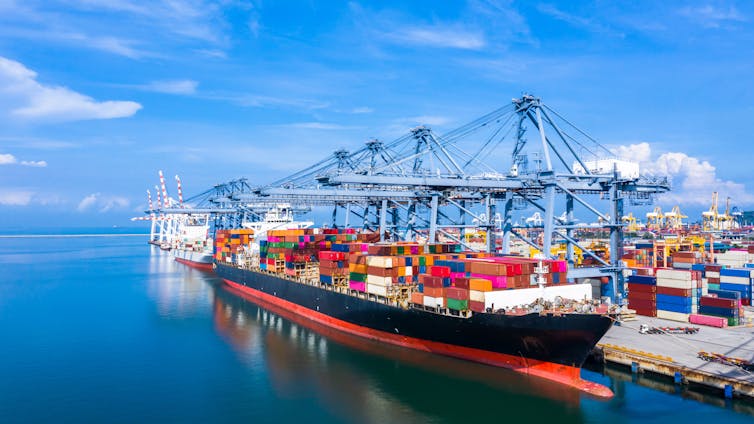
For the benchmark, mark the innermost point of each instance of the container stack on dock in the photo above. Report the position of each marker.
(736, 258)
(678, 293)
(642, 293)
(720, 308)
(710, 274)
(738, 280)
(685, 259)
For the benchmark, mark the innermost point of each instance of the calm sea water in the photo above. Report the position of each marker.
(113, 330)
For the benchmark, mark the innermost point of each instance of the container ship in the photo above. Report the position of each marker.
(504, 311)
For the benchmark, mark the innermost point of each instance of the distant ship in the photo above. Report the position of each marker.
(193, 245)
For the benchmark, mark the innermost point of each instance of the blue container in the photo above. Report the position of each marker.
(719, 312)
(447, 282)
(675, 300)
(745, 290)
(697, 267)
(673, 307)
(642, 279)
(726, 294)
(325, 279)
(733, 272)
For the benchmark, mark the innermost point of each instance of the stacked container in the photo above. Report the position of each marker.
(228, 243)
(738, 280)
(642, 294)
(725, 305)
(678, 293)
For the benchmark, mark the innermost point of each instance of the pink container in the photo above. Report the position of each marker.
(498, 281)
(357, 285)
(708, 320)
(457, 274)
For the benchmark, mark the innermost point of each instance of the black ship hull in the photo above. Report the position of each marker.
(548, 345)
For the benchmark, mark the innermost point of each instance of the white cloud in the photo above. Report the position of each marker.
(186, 87)
(712, 17)
(15, 197)
(213, 53)
(34, 163)
(9, 159)
(361, 110)
(694, 179)
(27, 98)
(102, 203)
(577, 21)
(440, 35)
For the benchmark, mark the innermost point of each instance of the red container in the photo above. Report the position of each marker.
(430, 281)
(674, 292)
(718, 302)
(332, 256)
(439, 271)
(477, 306)
(641, 304)
(642, 296)
(648, 312)
(644, 288)
(434, 291)
(461, 282)
(457, 293)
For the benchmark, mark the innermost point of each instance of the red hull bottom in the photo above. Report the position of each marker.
(197, 265)
(570, 376)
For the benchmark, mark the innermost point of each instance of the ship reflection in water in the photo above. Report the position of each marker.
(180, 291)
(368, 381)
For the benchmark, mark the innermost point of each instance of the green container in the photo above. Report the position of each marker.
(732, 321)
(355, 276)
(713, 286)
(458, 305)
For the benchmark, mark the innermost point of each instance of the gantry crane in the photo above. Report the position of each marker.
(424, 184)
(655, 219)
(674, 219)
(631, 223)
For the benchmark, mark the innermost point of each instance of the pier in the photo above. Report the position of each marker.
(677, 355)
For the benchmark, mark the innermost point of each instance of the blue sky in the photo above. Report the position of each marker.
(97, 95)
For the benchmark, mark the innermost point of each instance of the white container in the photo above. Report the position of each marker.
(377, 289)
(379, 281)
(744, 281)
(476, 296)
(434, 302)
(380, 261)
(673, 274)
(676, 284)
(673, 316)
